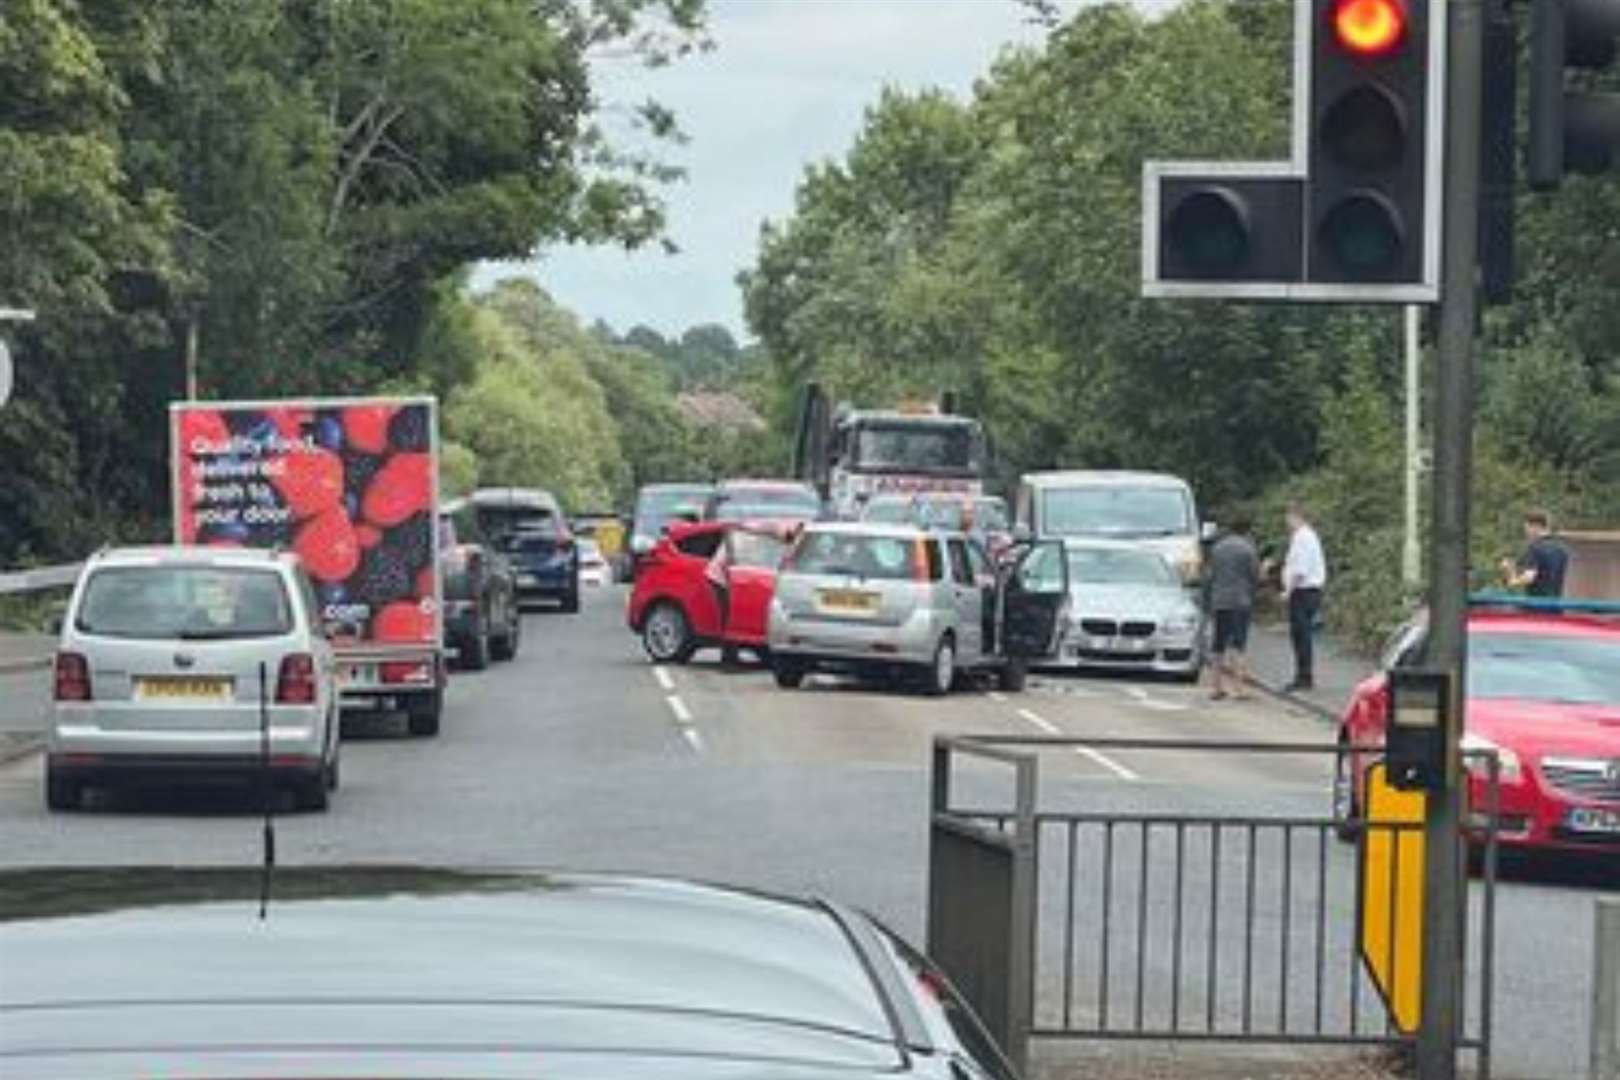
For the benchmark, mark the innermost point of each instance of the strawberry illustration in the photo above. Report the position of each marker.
(368, 535)
(290, 423)
(366, 427)
(407, 620)
(311, 481)
(202, 431)
(328, 546)
(402, 487)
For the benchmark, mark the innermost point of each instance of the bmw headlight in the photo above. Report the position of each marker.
(1181, 622)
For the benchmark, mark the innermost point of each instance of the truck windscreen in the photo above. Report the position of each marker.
(924, 448)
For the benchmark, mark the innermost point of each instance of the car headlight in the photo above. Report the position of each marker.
(1182, 622)
(1508, 767)
(1191, 568)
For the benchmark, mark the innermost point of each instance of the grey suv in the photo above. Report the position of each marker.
(192, 664)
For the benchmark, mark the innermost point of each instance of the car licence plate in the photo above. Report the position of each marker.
(847, 601)
(1584, 819)
(527, 579)
(169, 688)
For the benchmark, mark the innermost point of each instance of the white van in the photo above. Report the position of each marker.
(1155, 510)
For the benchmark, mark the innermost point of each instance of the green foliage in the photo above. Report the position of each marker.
(301, 184)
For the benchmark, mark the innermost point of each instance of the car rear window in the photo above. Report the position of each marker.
(886, 558)
(193, 602)
(756, 549)
(502, 523)
(1558, 668)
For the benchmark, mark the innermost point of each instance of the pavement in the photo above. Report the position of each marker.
(1338, 670)
(580, 754)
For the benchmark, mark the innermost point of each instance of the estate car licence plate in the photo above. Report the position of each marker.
(1584, 819)
(182, 689)
(849, 601)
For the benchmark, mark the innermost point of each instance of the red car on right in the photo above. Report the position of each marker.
(1544, 693)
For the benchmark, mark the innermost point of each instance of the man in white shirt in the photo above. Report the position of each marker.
(1304, 573)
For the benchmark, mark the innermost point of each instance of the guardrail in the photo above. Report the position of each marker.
(42, 577)
(1606, 991)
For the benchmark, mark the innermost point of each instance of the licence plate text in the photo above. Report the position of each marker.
(181, 689)
(852, 601)
(1593, 820)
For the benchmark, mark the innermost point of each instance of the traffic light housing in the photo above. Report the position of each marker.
(1354, 215)
(1571, 129)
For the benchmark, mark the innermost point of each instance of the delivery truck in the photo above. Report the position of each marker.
(351, 485)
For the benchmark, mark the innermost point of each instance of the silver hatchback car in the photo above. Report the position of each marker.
(896, 601)
(192, 664)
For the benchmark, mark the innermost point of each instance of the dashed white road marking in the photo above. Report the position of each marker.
(665, 681)
(997, 695)
(1040, 721)
(1141, 697)
(691, 735)
(683, 715)
(1084, 751)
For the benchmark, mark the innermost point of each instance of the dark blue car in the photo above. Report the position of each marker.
(528, 526)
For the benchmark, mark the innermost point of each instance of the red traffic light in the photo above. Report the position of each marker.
(1369, 28)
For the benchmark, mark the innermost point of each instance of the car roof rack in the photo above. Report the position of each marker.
(1547, 604)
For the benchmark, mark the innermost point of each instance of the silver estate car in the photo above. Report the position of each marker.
(192, 664)
(1129, 609)
(896, 601)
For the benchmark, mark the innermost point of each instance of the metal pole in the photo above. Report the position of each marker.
(1452, 429)
(1411, 551)
(191, 358)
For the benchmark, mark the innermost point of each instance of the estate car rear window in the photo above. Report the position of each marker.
(192, 602)
(886, 558)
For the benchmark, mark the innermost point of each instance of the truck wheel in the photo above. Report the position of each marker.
(789, 676)
(666, 635)
(1012, 676)
(505, 647)
(423, 717)
(62, 793)
(312, 794)
(570, 600)
(473, 654)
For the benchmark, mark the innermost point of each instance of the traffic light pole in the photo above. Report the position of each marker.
(1444, 882)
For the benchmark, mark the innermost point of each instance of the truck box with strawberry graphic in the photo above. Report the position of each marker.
(351, 485)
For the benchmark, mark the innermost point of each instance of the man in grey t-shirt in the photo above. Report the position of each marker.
(1234, 574)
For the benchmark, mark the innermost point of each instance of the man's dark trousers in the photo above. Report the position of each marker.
(1303, 604)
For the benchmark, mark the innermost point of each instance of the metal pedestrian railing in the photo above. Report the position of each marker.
(1067, 909)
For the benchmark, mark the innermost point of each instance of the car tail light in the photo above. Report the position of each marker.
(295, 682)
(72, 677)
(407, 671)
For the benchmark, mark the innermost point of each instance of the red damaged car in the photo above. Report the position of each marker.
(707, 584)
(1544, 693)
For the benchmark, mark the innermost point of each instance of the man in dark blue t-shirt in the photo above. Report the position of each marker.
(1540, 570)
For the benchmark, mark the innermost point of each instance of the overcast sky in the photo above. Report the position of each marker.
(785, 86)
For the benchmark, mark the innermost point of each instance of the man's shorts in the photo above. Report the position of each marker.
(1231, 629)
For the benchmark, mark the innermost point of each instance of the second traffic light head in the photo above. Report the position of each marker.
(1579, 131)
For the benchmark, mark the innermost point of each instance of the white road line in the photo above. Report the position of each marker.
(1041, 722)
(690, 734)
(683, 715)
(1084, 751)
(997, 695)
(664, 680)
(1142, 698)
